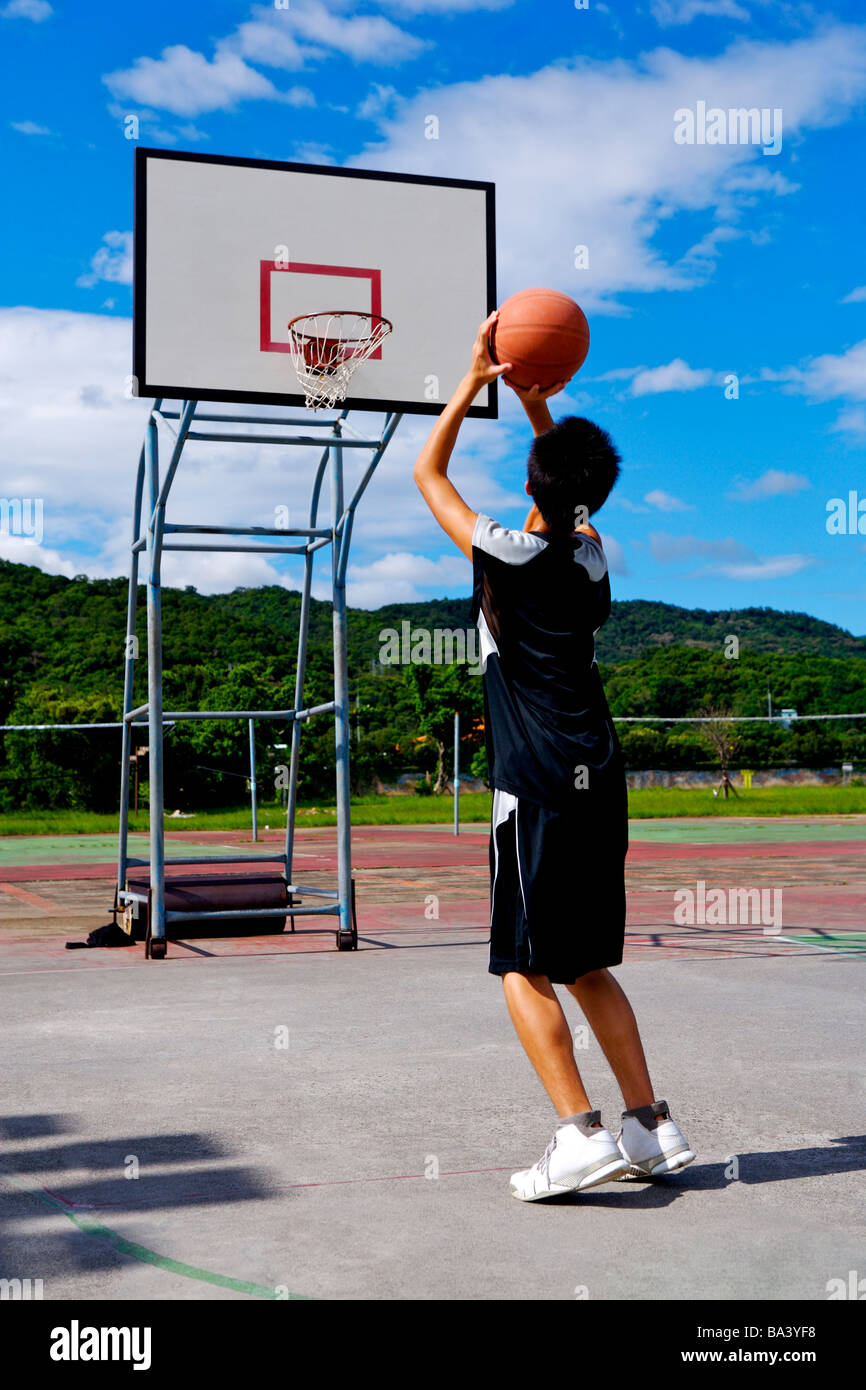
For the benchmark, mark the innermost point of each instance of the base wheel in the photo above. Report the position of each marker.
(156, 949)
(347, 941)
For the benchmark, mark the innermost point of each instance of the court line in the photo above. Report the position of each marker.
(808, 944)
(32, 899)
(91, 1227)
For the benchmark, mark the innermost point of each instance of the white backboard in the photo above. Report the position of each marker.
(227, 251)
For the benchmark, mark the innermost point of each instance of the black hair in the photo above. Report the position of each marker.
(573, 464)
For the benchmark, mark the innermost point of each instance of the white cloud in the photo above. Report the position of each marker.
(773, 483)
(377, 101)
(23, 552)
(365, 38)
(610, 125)
(185, 83)
(666, 502)
(29, 128)
(766, 567)
(851, 421)
(728, 557)
(152, 130)
(445, 6)
(831, 377)
(268, 40)
(112, 262)
(675, 376)
(616, 558)
(55, 444)
(192, 133)
(666, 549)
(37, 10)
(401, 577)
(312, 152)
(617, 374)
(856, 296)
(219, 572)
(670, 12)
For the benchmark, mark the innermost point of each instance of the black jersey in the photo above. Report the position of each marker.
(538, 602)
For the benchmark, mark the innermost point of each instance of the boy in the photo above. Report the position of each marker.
(559, 829)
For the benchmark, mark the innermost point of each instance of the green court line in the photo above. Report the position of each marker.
(18, 850)
(22, 850)
(732, 830)
(90, 1227)
(843, 941)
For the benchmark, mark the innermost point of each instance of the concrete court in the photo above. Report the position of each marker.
(302, 1169)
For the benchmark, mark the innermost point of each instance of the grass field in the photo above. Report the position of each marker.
(650, 802)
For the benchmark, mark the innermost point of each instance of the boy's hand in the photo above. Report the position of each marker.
(535, 393)
(484, 369)
(534, 402)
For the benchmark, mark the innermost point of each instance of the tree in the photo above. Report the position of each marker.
(719, 734)
(439, 692)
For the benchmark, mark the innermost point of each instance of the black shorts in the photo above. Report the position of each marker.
(557, 888)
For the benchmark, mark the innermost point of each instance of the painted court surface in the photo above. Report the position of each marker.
(267, 1117)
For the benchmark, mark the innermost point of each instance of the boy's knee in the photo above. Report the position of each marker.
(591, 978)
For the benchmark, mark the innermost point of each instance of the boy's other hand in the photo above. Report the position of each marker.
(483, 369)
(535, 393)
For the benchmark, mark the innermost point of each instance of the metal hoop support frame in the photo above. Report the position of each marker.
(152, 535)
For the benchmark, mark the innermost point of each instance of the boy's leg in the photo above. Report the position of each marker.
(543, 1030)
(649, 1140)
(610, 1016)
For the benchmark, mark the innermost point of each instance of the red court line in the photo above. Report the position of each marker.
(460, 855)
(280, 1187)
(32, 899)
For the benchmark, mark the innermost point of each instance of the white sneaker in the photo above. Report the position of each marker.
(577, 1157)
(650, 1149)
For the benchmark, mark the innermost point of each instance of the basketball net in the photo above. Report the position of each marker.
(328, 348)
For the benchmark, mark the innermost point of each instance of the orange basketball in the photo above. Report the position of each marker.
(543, 334)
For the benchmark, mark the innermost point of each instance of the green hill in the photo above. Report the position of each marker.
(61, 660)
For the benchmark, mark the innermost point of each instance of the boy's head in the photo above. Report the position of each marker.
(574, 464)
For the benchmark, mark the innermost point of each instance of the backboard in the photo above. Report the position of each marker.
(227, 251)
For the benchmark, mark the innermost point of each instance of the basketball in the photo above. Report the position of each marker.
(543, 334)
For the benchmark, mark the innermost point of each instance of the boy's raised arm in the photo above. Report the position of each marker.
(431, 468)
(534, 402)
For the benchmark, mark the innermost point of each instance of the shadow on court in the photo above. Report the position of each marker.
(41, 1186)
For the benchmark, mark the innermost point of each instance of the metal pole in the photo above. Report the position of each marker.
(341, 701)
(128, 677)
(253, 778)
(300, 672)
(456, 773)
(156, 824)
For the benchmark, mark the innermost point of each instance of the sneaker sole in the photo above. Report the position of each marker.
(611, 1172)
(660, 1167)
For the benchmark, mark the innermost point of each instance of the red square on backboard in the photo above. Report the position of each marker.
(269, 268)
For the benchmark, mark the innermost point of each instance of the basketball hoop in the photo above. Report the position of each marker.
(329, 347)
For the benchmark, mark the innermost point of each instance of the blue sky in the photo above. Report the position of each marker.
(704, 261)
